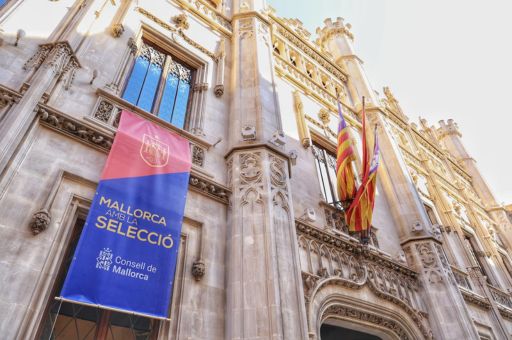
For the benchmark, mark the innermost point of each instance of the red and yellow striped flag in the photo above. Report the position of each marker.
(359, 214)
(346, 184)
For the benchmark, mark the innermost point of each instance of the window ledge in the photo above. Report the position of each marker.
(151, 117)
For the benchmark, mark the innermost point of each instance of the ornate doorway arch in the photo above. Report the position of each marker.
(350, 311)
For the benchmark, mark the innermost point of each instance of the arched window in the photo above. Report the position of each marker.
(160, 84)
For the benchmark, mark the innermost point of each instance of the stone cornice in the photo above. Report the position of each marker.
(74, 128)
(251, 14)
(475, 299)
(206, 13)
(102, 140)
(8, 96)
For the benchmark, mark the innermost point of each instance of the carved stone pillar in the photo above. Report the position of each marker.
(51, 62)
(446, 308)
(265, 296)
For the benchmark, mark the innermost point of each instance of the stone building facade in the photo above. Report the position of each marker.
(264, 251)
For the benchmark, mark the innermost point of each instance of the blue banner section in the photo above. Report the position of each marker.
(126, 255)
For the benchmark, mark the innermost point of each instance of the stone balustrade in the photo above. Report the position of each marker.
(325, 256)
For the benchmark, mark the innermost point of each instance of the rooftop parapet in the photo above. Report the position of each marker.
(331, 29)
(448, 128)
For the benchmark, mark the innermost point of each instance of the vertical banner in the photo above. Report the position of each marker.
(126, 255)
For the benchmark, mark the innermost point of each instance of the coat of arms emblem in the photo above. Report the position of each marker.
(154, 152)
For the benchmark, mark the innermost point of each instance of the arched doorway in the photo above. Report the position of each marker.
(332, 332)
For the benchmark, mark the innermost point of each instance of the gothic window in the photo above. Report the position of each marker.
(325, 162)
(70, 321)
(160, 84)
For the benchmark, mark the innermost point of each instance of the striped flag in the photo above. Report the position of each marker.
(346, 184)
(359, 214)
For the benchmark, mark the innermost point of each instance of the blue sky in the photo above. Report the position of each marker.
(441, 59)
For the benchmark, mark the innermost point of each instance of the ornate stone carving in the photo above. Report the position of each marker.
(250, 171)
(429, 261)
(197, 155)
(476, 299)
(350, 313)
(117, 30)
(198, 269)
(335, 219)
(352, 265)
(501, 297)
(248, 133)
(104, 111)
(40, 221)
(74, 128)
(209, 188)
(60, 57)
(8, 97)
(324, 116)
(277, 173)
(218, 90)
(181, 21)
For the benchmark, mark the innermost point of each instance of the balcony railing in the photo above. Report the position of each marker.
(501, 297)
(107, 113)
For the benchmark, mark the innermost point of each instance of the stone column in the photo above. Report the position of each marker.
(448, 315)
(265, 299)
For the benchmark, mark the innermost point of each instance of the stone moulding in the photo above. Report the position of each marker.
(177, 31)
(209, 188)
(351, 313)
(74, 128)
(475, 299)
(94, 137)
(8, 96)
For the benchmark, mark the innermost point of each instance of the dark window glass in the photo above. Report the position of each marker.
(70, 321)
(325, 163)
(155, 72)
